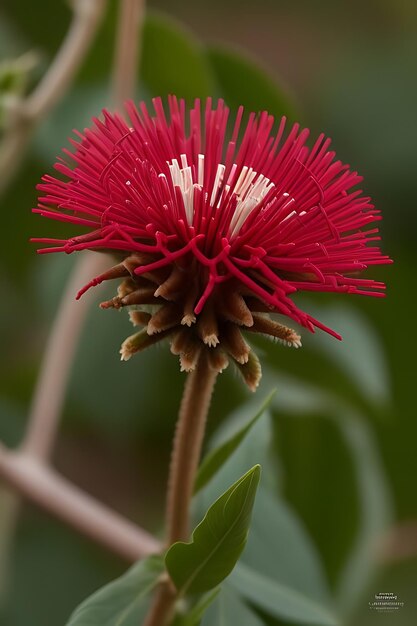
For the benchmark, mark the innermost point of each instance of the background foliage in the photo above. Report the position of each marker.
(342, 422)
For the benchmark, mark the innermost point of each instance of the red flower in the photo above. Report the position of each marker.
(258, 214)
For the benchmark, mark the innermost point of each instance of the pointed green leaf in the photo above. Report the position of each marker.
(217, 541)
(279, 600)
(279, 546)
(243, 81)
(216, 458)
(195, 614)
(124, 601)
(173, 61)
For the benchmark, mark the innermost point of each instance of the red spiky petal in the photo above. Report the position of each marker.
(269, 212)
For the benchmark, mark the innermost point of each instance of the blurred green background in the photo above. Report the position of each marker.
(343, 412)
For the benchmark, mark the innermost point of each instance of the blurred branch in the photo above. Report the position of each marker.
(87, 15)
(399, 543)
(126, 58)
(9, 507)
(48, 398)
(28, 113)
(26, 470)
(56, 495)
(50, 390)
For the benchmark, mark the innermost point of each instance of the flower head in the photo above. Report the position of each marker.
(213, 234)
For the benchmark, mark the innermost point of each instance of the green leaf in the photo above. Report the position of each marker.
(278, 546)
(279, 600)
(228, 610)
(217, 541)
(195, 614)
(243, 81)
(216, 458)
(173, 61)
(123, 602)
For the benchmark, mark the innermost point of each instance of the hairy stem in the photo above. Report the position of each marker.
(187, 446)
(162, 608)
(186, 453)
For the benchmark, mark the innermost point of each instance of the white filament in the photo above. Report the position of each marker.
(250, 188)
(249, 195)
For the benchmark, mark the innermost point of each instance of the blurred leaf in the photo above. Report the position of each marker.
(216, 458)
(401, 578)
(374, 502)
(12, 422)
(53, 568)
(98, 63)
(43, 25)
(123, 601)
(297, 397)
(321, 367)
(279, 600)
(360, 355)
(375, 507)
(173, 61)
(319, 481)
(14, 77)
(194, 616)
(74, 112)
(280, 548)
(11, 41)
(355, 105)
(230, 610)
(217, 541)
(244, 82)
(16, 254)
(321, 388)
(14, 73)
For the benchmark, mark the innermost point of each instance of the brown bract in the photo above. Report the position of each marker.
(163, 301)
